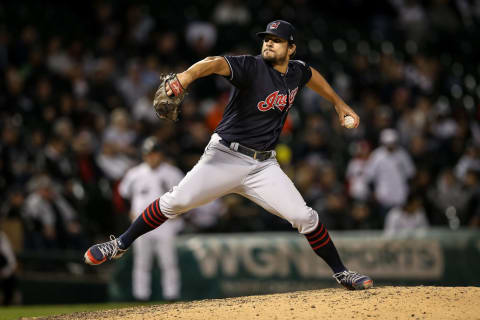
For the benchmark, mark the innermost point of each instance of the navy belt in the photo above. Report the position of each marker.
(257, 155)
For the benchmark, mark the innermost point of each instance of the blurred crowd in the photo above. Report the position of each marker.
(76, 90)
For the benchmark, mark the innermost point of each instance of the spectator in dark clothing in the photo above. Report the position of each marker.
(57, 159)
(50, 221)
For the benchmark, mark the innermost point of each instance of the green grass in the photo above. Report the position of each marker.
(15, 312)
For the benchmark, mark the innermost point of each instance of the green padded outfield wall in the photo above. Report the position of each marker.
(222, 265)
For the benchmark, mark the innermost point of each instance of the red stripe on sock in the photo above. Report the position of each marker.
(146, 221)
(316, 234)
(158, 218)
(159, 212)
(152, 216)
(315, 241)
(322, 244)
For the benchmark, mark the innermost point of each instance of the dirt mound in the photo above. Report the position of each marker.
(381, 303)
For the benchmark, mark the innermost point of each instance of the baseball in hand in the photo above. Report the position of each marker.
(349, 122)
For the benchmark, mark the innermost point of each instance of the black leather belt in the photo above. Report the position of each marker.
(257, 155)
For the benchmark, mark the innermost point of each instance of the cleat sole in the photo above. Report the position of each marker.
(89, 259)
(364, 285)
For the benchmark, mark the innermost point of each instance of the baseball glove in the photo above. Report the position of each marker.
(167, 107)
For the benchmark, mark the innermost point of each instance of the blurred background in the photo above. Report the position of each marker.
(401, 192)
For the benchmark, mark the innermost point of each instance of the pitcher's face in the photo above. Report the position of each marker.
(274, 49)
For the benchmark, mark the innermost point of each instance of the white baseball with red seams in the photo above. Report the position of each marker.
(349, 122)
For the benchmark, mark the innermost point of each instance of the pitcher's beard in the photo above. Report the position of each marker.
(274, 60)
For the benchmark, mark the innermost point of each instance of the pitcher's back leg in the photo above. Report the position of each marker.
(272, 189)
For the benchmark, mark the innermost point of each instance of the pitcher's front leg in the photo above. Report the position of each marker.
(217, 173)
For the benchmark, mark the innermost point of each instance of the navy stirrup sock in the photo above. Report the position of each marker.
(150, 219)
(320, 241)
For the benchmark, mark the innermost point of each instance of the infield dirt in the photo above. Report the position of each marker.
(380, 303)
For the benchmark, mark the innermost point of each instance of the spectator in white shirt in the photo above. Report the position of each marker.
(470, 160)
(406, 218)
(389, 168)
(357, 188)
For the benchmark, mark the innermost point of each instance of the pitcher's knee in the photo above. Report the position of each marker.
(306, 222)
(173, 204)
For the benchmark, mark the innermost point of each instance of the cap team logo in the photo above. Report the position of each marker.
(274, 25)
(277, 100)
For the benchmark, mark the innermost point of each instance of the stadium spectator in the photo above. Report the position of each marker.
(470, 160)
(357, 186)
(362, 217)
(201, 37)
(448, 199)
(331, 204)
(120, 133)
(412, 17)
(50, 221)
(57, 160)
(14, 164)
(389, 168)
(131, 86)
(229, 12)
(405, 219)
(11, 217)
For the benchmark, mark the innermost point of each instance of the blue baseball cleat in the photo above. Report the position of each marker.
(353, 281)
(99, 253)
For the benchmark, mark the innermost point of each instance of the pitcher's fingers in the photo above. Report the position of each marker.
(168, 90)
(357, 121)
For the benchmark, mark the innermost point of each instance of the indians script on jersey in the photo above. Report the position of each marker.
(276, 99)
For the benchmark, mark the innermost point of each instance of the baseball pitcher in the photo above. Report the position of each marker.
(240, 156)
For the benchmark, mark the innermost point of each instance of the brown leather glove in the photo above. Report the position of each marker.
(168, 107)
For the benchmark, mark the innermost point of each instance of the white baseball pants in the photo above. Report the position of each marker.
(221, 171)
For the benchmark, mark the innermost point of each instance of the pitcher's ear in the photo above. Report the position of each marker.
(293, 48)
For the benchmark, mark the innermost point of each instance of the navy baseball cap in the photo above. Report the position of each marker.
(281, 29)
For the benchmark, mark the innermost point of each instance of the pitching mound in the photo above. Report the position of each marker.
(381, 303)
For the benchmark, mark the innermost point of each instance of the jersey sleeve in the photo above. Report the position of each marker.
(242, 69)
(305, 71)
